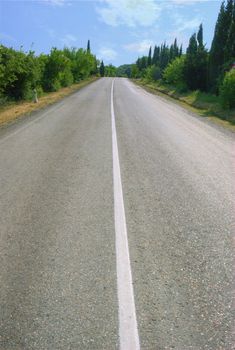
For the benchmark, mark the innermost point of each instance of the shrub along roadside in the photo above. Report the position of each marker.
(204, 104)
(227, 90)
(22, 72)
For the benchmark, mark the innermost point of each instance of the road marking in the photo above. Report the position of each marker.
(128, 331)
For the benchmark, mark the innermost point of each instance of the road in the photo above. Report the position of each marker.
(98, 243)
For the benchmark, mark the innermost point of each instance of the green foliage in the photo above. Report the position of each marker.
(22, 72)
(57, 71)
(156, 55)
(223, 44)
(174, 72)
(102, 70)
(124, 70)
(88, 47)
(135, 73)
(110, 71)
(198, 70)
(151, 67)
(227, 90)
(149, 60)
(195, 66)
(19, 72)
(153, 73)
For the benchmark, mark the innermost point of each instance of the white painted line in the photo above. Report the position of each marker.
(128, 331)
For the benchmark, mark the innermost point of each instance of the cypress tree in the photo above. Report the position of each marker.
(219, 52)
(155, 59)
(172, 53)
(164, 56)
(181, 50)
(175, 49)
(102, 69)
(143, 62)
(200, 36)
(196, 62)
(149, 62)
(88, 47)
(230, 44)
(138, 63)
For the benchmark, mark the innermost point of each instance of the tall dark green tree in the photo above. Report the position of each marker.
(156, 52)
(149, 62)
(175, 49)
(219, 52)
(102, 69)
(195, 71)
(143, 62)
(88, 47)
(200, 36)
(164, 56)
(230, 44)
(181, 50)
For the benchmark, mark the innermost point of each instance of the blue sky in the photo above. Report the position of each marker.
(119, 30)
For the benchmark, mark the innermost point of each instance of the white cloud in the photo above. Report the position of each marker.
(129, 12)
(107, 54)
(183, 24)
(68, 39)
(140, 47)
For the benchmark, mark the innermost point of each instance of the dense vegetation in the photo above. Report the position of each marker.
(198, 69)
(21, 73)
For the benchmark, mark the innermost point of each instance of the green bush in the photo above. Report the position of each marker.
(227, 90)
(21, 73)
(174, 72)
(153, 73)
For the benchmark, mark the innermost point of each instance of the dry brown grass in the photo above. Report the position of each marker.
(13, 111)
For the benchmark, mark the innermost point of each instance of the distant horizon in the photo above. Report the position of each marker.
(119, 32)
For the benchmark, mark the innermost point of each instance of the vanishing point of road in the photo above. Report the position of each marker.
(116, 226)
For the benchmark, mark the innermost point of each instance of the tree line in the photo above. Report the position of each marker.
(198, 69)
(22, 72)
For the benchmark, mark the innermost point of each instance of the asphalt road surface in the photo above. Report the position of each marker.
(71, 196)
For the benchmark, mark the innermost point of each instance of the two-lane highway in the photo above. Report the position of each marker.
(116, 226)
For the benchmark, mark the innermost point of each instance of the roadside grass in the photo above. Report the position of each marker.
(13, 110)
(206, 105)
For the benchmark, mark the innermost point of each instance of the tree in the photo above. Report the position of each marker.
(110, 71)
(134, 71)
(230, 44)
(174, 72)
(57, 71)
(195, 68)
(88, 47)
(153, 73)
(124, 70)
(200, 36)
(21, 73)
(175, 49)
(220, 51)
(227, 90)
(181, 50)
(149, 61)
(102, 69)
(156, 52)
(164, 56)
